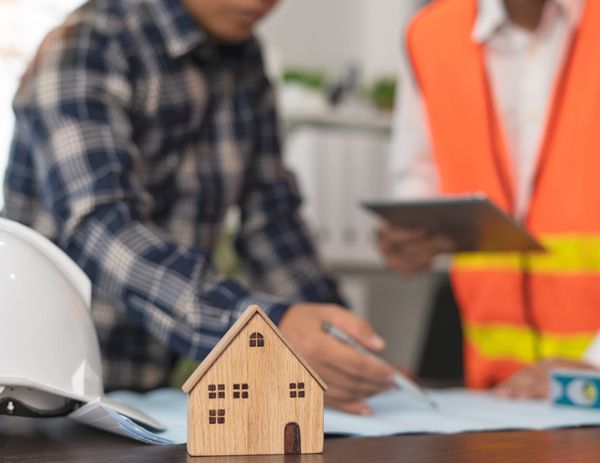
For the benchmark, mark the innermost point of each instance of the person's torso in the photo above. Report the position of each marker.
(518, 308)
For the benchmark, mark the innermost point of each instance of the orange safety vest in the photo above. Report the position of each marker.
(517, 308)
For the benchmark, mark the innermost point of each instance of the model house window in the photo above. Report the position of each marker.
(216, 416)
(216, 391)
(297, 390)
(240, 391)
(257, 340)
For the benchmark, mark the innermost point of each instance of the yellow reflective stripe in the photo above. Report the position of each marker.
(519, 343)
(566, 254)
(487, 261)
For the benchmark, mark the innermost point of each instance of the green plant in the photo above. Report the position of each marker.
(309, 78)
(382, 92)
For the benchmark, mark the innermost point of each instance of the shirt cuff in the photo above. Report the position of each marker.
(592, 353)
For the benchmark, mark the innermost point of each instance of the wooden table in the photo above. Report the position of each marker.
(58, 440)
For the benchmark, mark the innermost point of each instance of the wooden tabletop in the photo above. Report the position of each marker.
(59, 440)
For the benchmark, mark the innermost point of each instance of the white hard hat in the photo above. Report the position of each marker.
(49, 353)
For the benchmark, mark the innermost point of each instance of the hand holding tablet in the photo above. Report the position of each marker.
(463, 223)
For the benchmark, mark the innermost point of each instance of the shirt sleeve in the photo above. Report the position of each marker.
(273, 240)
(413, 169)
(73, 106)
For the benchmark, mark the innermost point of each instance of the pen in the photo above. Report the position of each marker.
(401, 380)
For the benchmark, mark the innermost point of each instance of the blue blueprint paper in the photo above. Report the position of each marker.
(458, 411)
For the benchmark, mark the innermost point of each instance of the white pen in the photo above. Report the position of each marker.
(402, 381)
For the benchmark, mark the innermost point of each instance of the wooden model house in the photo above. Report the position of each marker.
(254, 395)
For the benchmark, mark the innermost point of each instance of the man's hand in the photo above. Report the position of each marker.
(350, 375)
(533, 382)
(409, 251)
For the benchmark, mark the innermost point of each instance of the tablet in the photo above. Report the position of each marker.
(472, 223)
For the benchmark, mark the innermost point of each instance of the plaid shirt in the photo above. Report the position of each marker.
(134, 135)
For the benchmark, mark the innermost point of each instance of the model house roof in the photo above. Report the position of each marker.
(230, 336)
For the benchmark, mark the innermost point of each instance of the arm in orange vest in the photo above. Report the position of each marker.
(412, 164)
(414, 174)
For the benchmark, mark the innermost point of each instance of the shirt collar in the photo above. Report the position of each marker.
(491, 16)
(180, 32)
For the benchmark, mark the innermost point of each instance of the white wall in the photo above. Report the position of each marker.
(330, 34)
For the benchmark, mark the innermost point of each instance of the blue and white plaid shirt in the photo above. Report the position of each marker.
(134, 135)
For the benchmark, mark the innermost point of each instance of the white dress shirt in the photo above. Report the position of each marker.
(522, 67)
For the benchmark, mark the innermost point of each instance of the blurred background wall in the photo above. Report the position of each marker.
(331, 34)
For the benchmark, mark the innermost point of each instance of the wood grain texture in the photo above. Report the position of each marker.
(280, 390)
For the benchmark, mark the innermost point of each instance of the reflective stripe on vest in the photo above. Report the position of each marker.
(520, 343)
(567, 254)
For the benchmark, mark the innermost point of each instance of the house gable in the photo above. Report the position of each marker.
(233, 332)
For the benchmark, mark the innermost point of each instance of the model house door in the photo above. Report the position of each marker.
(292, 439)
